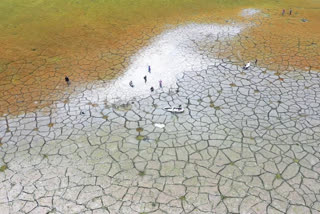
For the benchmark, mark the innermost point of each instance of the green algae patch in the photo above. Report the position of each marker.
(217, 107)
(3, 168)
(278, 176)
(223, 197)
(182, 198)
(140, 137)
(122, 107)
(54, 59)
(142, 173)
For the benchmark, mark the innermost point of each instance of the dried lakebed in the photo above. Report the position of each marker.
(248, 141)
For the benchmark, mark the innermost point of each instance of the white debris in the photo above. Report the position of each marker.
(247, 66)
(159, 125)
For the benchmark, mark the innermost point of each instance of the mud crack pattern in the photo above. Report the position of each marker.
(248, 142)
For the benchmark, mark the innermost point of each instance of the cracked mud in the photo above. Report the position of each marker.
(248, 141)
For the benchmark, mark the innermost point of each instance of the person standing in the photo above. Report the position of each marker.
(255, 62)
(283, 11)
(145, 79)
(67, 80)
(149, 69)
(131, 84)
(160, 83)
(151, 89)
(290, 12)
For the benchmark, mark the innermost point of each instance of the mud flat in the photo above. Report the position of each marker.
(248, 141)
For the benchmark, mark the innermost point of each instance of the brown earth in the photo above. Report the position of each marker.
(32, 70)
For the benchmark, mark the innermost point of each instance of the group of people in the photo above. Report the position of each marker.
(145, 81)
(160, 81)
(284, 11)
(130, 83)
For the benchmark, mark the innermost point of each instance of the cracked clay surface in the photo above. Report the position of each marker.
(247, 142)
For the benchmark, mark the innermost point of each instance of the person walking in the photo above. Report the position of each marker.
(67, 80)
(145, 79)
(283, 11)
(160, 83)
(255, 62)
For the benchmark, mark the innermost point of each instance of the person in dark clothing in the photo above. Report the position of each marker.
(67, 80)
(131, 84)
(290, 12)
(255, 62)
(145, 79)
(151, 89)
(160, 83)
(149, 69)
